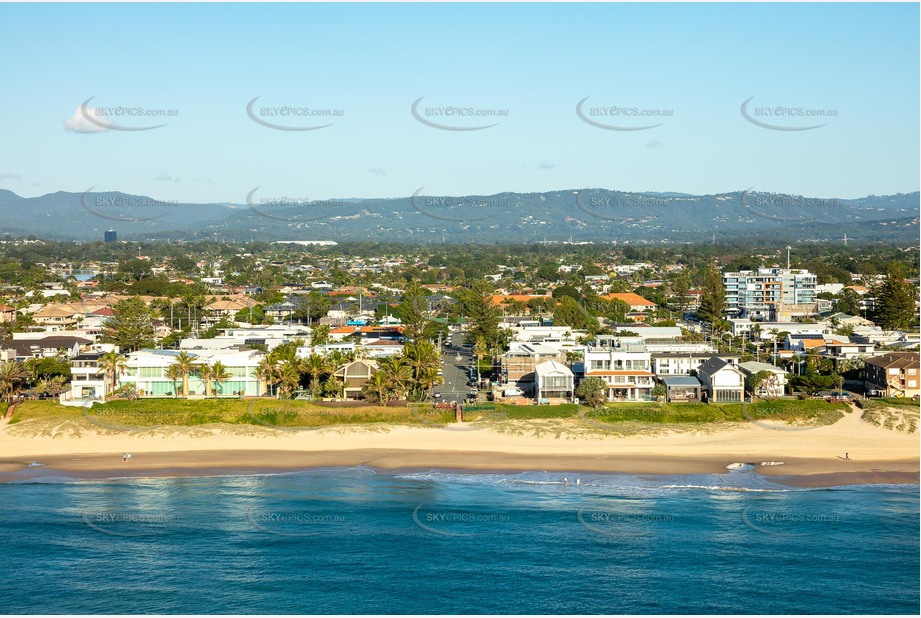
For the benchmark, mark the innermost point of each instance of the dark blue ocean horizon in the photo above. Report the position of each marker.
(352, 540)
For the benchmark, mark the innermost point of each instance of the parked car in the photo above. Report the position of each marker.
(513, 392)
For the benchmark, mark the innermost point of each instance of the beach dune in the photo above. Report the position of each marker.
(806, 456)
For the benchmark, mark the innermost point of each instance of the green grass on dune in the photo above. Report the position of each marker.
(149, 413)
(819, 412)
(259, 412)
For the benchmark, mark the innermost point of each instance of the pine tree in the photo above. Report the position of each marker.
(895, 301)
(131, 325)
(713, 300)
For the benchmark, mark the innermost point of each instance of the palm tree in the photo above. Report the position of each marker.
(423, 361)
(289, 377)
(220, 374)
(12, 374)
(480, 351)
(174, 373)
(376, 387)
(206, 373)
(113, 364)
(315, 366)
(267, 371)
(398, 374)
(185, 362)
(334, 386)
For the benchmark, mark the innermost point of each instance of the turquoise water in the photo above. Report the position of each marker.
(359, 541)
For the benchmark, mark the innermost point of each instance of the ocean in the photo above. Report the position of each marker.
(356, 540)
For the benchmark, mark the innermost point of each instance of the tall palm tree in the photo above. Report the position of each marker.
(219, 374)
(423, 361)
(267, 371)
(185, 362)
(289, 377)
(206, 373)
(12, 375)
(113, 364)
(376, 387)
(334, 386)
(398, 373)
(174, 373)
(315, 366)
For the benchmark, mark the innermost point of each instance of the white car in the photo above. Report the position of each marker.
(513, 392)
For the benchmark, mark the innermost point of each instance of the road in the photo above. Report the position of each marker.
(455, 371)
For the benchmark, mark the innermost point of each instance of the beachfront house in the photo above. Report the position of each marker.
(894, 374)
(147, 373)
(354, 375)
(555, 382)
(772, 386)
(722, 381)
(623, 363)
(681, 388)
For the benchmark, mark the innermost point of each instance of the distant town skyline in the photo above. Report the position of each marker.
(810, 99)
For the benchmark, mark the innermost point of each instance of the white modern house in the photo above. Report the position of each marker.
(624, 364)
(147, 372)
(89, 380)
(554, 380)
(722, 381)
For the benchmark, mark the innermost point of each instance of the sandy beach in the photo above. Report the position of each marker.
(807, 456)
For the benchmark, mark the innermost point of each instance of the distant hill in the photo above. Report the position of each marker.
(598, 215)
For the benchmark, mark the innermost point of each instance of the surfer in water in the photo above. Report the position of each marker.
(565, 481)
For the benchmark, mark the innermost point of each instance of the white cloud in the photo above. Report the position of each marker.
(10, 176)
(78, 123)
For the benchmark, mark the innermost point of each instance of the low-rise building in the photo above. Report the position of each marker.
(894, 374)
(146, 371)
(722, 381)
(354, 375)
(623, 363)
(88, 380)
(681, 388)
(772, 386)
(554, 381)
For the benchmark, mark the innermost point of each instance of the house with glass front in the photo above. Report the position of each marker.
(146, 371)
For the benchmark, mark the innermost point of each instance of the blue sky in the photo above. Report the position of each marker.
(698, 63)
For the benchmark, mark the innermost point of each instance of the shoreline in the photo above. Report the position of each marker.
(847, 452)
(796, 472)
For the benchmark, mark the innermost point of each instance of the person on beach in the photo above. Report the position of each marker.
(847, 455)
(124, 456)
(128, 456)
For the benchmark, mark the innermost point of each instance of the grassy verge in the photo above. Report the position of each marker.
(887, 402)
(260, 412)
(812, 411)
(290, 414)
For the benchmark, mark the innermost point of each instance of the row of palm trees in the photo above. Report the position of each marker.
(282, 372)
(14, 375)
(212, 375)
(409, 376)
